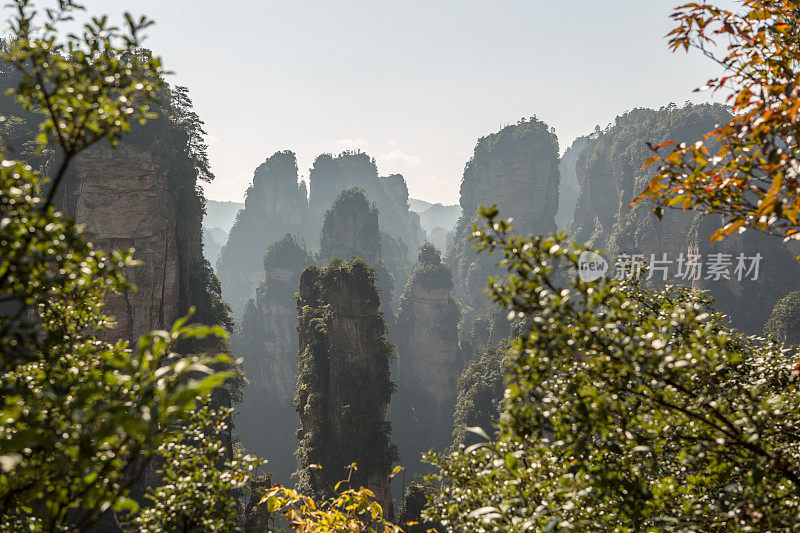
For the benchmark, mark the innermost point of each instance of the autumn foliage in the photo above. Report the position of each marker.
(746, 169)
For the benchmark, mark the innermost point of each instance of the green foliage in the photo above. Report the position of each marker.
(81, 417)
(619, 151)
(625, 409)
(480, 392)
(80, 412)
(353, 199)
(89, 85)
(200, 484)
(785, 317)
(429, 255)
(343, 384)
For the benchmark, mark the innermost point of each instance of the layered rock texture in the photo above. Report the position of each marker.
(267, 343)
(343, 387)
(331, 175)
(123, 198)
(143, 195)
(517, 169)
(350, 229)
(274, 205)
(609, 167)
(132, 197)
(610, 174)
(429, 361)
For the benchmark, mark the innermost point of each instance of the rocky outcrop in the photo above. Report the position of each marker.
(350, 229)
(609, 168)
(213, 240)
(784, 320)
(414, 501)
(144, 195)
(439, 222)
(569, 189)
(429, 361)
(749, 300)
(267, 344)
(125, 199)
(394, 254)
(343, 387)
(330, 175)
(274, 205)
(611, 175)
(517, 169)
(257, 517)
(480, 393)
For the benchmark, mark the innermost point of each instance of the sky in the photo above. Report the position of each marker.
(413, 83)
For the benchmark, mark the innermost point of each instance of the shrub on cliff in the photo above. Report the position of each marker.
(343, 386)
(785, 317)
(82, 418)
(624, 408)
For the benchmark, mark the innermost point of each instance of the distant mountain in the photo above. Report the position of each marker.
(444, 216)
(439, 222)
(221, 214)
(213, 239)
(418, 206)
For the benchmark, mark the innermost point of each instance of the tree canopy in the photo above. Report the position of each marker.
(746, 169)
(82, 417)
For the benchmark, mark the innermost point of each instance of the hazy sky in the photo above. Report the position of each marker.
(412, 83)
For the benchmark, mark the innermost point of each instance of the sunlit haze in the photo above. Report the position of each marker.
(413, 83)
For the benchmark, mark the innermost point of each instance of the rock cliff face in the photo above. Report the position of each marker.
(414, 501)
(609, 170)
(267, 343)
(480, 393)
(343, 387)
(144, 195)
(570, 188)
(350, 229)
(331, 175)
(517, 169)
(429, 361)
(748, 302)
(784, 320)
(124, 198)
(274, 205)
